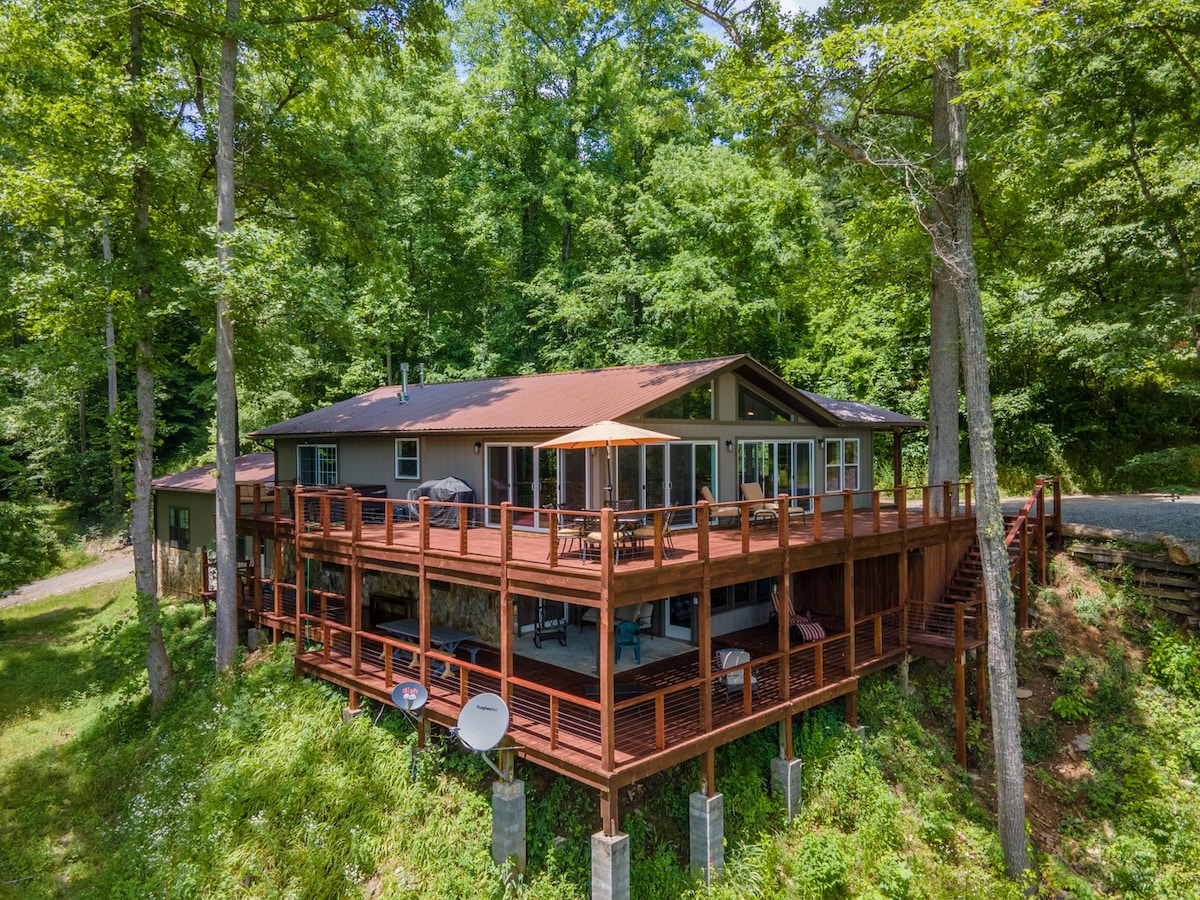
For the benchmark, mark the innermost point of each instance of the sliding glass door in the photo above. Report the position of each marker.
(777, 467)
(661, 475)
(532, 479)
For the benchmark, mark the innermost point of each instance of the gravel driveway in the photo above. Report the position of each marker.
(1178, 516)
(111, 566)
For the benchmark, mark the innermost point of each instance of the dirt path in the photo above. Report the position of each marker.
(112, 566)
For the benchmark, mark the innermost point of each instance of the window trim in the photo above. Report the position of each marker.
(415, 458)
(842, 466)
(179, 527)
(316, 448)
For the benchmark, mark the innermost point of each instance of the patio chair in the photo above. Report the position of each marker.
(717, 513)
(802, 627)
(762, 511)
(735, 680)
(642, 614)
(628, 634)
(646, 533)
(571, 532)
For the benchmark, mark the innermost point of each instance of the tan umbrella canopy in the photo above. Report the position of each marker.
(606, 434)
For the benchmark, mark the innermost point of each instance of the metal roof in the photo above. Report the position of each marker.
(251, 468)
(852, 412)
(556, 401)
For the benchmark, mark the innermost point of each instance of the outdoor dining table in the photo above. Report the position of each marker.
(441, 637)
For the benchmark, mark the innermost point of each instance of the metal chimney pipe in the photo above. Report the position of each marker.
(421, 371)
(403, 382)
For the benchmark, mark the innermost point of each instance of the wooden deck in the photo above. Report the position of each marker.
(873, 560)
(556, 720)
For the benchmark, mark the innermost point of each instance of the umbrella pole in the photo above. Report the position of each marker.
(608, 466)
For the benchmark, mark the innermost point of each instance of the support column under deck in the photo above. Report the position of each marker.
(706, 820)
(610, 866)
(786, 783)
(508, 824)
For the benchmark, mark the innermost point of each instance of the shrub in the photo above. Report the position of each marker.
(1173, 468)
(28, 548)
(1174, 662)
(817, 867)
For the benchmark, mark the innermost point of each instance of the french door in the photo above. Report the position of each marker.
(660, 475)
(532, 479)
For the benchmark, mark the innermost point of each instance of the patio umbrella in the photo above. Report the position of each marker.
(607, 435)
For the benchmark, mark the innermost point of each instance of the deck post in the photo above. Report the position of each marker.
(508, 824)
(354, 598)
(610, 866)
(604, 626)
(424, 589)
(1041, 531)
(706, 820)
(786, 783)
(1057, 517)
(506, 602)
(960, 686)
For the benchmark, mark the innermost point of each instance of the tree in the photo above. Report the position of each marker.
(839, 85)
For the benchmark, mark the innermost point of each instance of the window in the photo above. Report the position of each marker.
(779, 466)
(316, 464)
(695, 404)
(179, 531)
(841, 464)
(754, 408)
(408, 458)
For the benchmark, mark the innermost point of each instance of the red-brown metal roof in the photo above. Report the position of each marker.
(251, 469)
(558, 401)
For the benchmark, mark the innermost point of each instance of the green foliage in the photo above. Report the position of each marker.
(28, 546)
(1174, 661)
(1170, 469)
(817, 867)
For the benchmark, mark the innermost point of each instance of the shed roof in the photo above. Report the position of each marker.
(556, 401)
(252, 468)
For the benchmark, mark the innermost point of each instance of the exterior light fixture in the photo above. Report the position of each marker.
(478, 447)
(729, 446)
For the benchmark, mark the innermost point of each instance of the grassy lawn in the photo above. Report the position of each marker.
(251, 785)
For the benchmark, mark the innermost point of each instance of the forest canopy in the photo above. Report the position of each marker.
(498, 187)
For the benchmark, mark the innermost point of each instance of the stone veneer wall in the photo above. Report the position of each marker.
(459, 606)
(178, 572)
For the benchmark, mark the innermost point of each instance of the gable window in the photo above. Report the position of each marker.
(316, 464)
(179, 530)
(408, 458)
(695, 404)
(754, 407)
(841, 464)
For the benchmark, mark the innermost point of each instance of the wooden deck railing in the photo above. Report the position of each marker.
(652, 722)
(1028, 536)
(344, 514)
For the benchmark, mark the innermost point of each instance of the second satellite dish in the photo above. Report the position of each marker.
(409, 696)
(482, 722)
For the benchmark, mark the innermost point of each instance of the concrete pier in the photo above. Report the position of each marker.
(508, 823)
(706, 818)
(786, 783)
(610, 866)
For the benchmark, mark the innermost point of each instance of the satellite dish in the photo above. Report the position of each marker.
(482, 722)
(408, 696)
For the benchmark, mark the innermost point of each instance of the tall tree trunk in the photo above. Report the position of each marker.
(110, 350)
(158, 664)
(227, 437)
(944, 355)
(953, 243)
